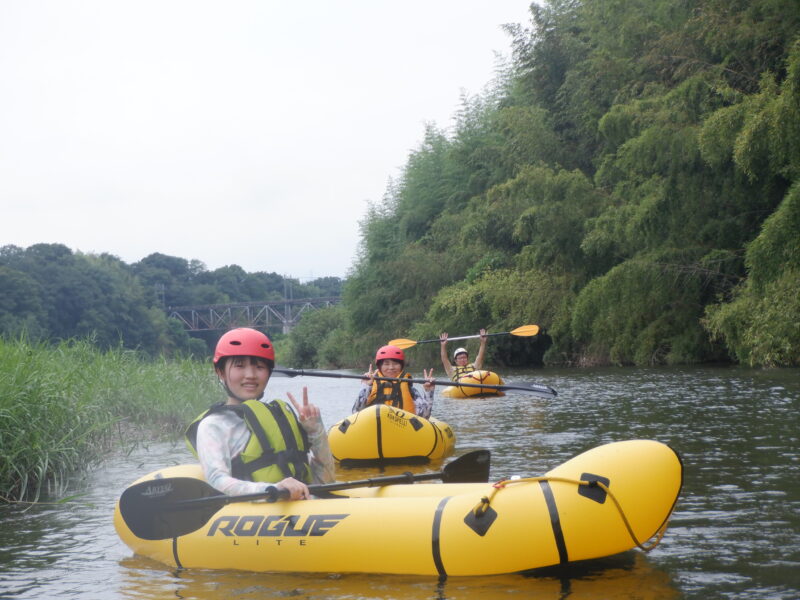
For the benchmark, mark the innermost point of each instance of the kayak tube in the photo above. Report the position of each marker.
(480, 377)
(605, 501)
(382, 434)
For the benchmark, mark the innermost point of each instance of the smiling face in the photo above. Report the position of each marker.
(245, 377)
(462, 359)
(390, 368)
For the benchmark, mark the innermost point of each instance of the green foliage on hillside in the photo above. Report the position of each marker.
(629, 183)
(47, 292)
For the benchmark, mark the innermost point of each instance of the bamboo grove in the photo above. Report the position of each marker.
(629, 182)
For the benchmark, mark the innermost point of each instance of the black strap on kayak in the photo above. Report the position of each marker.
(175, 553)
(379, 431)
(555, 522)
(436, 549)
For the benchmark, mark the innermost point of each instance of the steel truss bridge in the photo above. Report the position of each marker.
(285, 313)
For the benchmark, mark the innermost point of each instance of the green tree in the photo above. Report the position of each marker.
(309, 338)
(20, 305)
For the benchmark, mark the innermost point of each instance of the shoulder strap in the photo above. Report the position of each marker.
(268, 456)
(296, 454)
(191, 431)
(293, 454)
(395, 395)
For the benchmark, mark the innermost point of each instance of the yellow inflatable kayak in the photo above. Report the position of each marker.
(381, 434)
(605, 501)
(481, 377)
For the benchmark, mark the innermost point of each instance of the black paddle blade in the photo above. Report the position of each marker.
(151, 511)
(472, 467)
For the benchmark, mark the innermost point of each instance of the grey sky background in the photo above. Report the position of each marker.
(238, 132)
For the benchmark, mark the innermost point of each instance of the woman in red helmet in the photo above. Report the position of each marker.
(246, 445)
(390, 362)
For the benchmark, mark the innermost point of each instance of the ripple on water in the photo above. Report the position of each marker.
(735, 533)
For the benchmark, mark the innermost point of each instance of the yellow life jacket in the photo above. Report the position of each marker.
(393, 393)
(278, 444)
(461, 371)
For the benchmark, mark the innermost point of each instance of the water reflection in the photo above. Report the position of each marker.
(623, 576)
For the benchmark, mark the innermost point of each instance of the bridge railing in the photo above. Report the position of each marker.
(285, 313)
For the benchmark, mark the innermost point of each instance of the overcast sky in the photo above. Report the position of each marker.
(231, 132)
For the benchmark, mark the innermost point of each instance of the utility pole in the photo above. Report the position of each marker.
(160, 294)
(287, 307)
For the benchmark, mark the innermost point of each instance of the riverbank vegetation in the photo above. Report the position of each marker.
(65, 406)
(630, 182)
(51, 293)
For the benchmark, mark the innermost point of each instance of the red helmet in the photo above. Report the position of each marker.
(392, 352)
(244, 342)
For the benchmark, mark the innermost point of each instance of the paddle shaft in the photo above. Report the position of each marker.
(464, 337)
(530, 387)
(524, 331)
(170, 507)
(273, 494)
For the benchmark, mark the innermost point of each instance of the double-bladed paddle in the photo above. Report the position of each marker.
(524, 331)
(527, 386)
(160, 509)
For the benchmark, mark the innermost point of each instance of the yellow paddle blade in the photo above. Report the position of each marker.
(402, 343)
(525, 330)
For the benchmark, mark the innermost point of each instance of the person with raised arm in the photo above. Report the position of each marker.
(462, 365)
(247, 445)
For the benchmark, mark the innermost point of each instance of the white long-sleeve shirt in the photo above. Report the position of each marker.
(222, 436)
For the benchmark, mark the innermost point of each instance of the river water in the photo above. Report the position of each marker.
(735, 532)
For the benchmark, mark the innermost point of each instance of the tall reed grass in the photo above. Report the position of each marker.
(63, 407)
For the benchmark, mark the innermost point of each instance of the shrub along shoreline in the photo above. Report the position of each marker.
(63, 406)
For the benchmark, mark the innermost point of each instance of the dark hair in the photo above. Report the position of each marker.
(220, 366)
